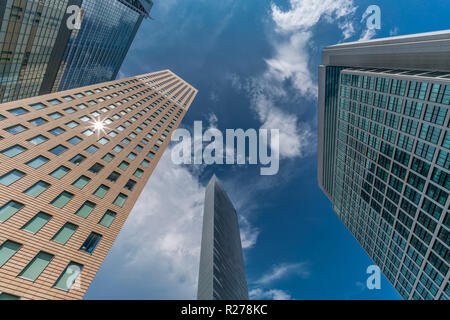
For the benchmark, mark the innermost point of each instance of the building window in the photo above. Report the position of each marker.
(145, 163)
(61, 200)
(96, 168)
(65, 233)
(79, 158)
(37, 140)
(60, 172)
(58, 150)
(130, 185)
(72, 124)
(7, 296)
(138, 173)
(88, 132)
(11, 177)
(37, 162)
(91, 149)
(36, 266)
(103, 141)
(36, 224)
(13, 151)
(70, 110)
(124, 165)
(38, 121)
(54, 101)
(35, 190)
(16, 129)
(75, 140)
(57, 131)
(118, 148)
(9, 209)
(55, 115)
(114, 176)
(38, 106)
(7, 250)
(108, 218)
(68, 98)
(91, 242)
(120, 200)
(132, 156)
(85, 210)
(81, 182)
(101, 191)
(18, 111)
(69, 276)
(108, 157)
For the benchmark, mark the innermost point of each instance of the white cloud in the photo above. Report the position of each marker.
(368, 34)
(158, 249)
(249, 234)
(284, 270)
(394, 32)
(291, 62)
(273, 294)
(348, 30)
(305, 14)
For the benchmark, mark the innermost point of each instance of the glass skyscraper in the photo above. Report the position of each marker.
(384, 154)
(40, 54)
(222, 272)
(96, 52)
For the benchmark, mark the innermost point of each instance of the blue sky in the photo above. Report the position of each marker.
(254, 63)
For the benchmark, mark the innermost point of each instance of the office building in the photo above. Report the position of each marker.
(222, 272)
(383, 154)
(41, 52)
(73, 165)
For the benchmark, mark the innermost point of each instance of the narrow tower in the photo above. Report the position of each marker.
(222, 273)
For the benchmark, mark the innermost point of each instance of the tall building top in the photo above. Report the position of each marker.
(423, 51)
(384, 154)
(221, 272)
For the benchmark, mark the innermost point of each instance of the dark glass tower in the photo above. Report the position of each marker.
(96, 52)
(40, 54)
(222, 273)
(384, 154)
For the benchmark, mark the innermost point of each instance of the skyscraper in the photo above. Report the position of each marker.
(222, 273)
(96, 52)
(40, 53)
(383, 154)
(73, 164)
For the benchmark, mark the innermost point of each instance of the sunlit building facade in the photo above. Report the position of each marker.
(73, 165)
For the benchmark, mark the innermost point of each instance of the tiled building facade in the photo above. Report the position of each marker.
(72, 166)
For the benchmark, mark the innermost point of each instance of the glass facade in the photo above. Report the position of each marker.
(28, 33)
(390, 172)
(95, 52)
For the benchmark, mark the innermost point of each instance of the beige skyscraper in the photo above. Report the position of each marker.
(73, 165)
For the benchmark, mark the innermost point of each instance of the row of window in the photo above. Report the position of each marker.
(39, 263)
